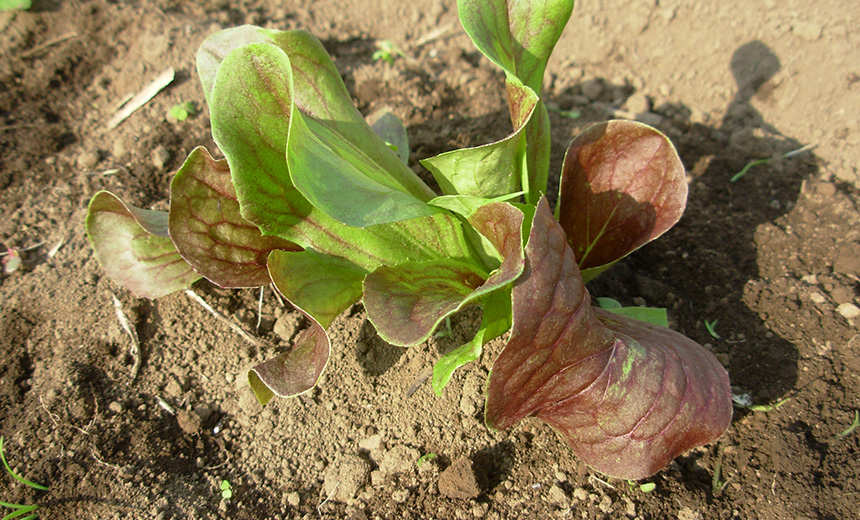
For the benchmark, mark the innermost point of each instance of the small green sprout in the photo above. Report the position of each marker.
(182, 111)
(20, 509)
(717, 484)
(386, 51)
(447, 332)
(744, 400)
(645, 487)
(853, 426)
(712, 328)
(736, 177)
(570, 114)
(768, 407)
(226, 490)
(425, 458)
(9, 5)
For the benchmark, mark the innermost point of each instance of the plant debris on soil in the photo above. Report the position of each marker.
(118, 428)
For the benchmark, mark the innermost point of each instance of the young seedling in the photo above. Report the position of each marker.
(758, 162)
(425, 458)
(711, 326)
(9, 5)
(19, 509)
(570, 114)
(312, 198)
(744, 400)
(226, 490)
(386, 51)
(853, 426)
(11, 260)
(182, 111)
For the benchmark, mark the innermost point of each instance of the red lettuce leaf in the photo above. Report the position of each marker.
(626, 395)
(622, 185)
(295, 371)
(134, 248)
(208, 229)
(320, 287)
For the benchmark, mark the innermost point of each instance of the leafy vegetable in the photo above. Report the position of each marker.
(626, 395)
(321, 202)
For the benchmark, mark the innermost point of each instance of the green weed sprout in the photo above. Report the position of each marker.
(386, 51)
(645, 487)
(19, 509)
(425, 458)
(712, 328)
(182, 111)
(794, 153)
(9, 5)
(226, 490)
(853, 426)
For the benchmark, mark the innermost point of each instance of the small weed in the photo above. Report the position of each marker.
(11, 260)
(570, 114)
(386, 51)
(19, 509)
(182, 111)
(425, 458)
(645, 487)
(712, 328)
(9, 5)
(736, 177)
(853, 426)
(226, 490)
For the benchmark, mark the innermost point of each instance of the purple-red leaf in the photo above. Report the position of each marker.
(295, 371)
(208, 229)
(320, 287)
(407, 301)
(626, 395)
(622, 185)
(134, 248)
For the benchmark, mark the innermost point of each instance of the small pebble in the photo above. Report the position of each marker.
(400, 496)
(848, 311)
(88, 160)
(372, 443)
(557, 496)
(650, 118)
(605, 504)
(817, 298)
(115, 407)
(637, 103)
(294, 499)
(160, 157)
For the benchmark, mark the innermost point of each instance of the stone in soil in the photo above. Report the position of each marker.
(344, 479)
(399, 459)
(459, 480)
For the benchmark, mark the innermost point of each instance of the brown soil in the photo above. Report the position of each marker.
(774, 257)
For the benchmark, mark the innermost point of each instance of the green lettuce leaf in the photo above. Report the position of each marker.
(406, 302)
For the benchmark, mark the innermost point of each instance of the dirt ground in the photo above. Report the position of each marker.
(774, 257)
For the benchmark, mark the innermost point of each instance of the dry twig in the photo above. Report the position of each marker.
(236, 328)
(39, 48)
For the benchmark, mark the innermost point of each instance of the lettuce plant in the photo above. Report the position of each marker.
(317, 201)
